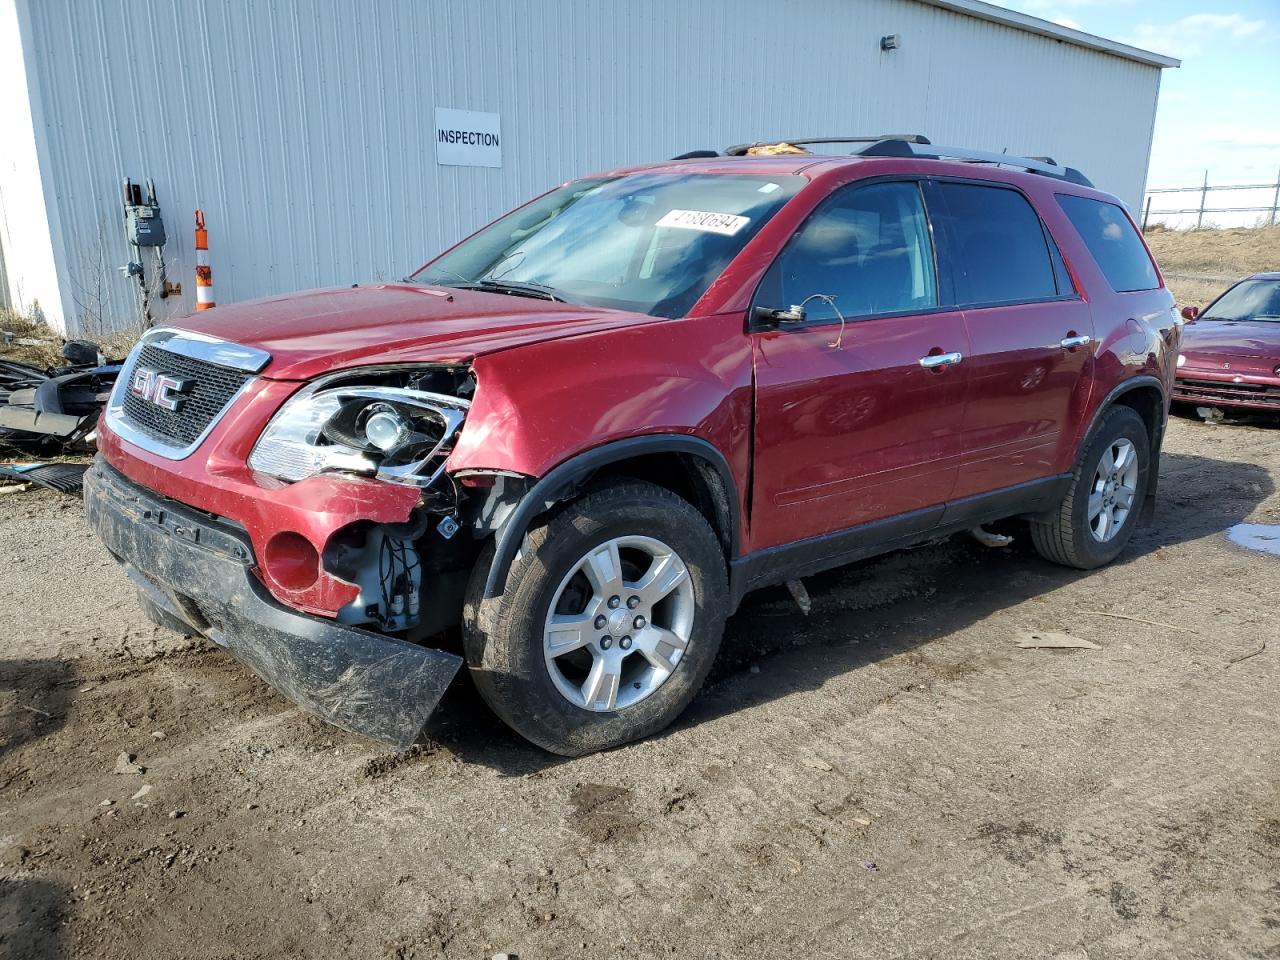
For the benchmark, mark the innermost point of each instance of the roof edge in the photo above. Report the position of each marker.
(1055, 31)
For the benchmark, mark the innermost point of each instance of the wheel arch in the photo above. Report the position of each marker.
(688, 466)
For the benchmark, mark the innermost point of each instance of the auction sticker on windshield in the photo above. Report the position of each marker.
(725, 223)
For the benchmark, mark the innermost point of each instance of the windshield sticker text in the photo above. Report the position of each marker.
(724, 223)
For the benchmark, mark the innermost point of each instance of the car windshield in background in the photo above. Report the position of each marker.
(1249, 300)
(651, 243)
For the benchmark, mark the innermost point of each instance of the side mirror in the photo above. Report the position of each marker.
(770, 316)
(1190, 313)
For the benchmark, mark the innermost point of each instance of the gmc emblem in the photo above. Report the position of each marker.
(159, 388)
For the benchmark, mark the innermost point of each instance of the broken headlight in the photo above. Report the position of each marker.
(393, 433)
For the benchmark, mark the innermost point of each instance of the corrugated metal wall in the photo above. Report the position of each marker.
(304, 127)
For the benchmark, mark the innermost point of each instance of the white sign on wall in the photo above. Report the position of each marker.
(465, 138)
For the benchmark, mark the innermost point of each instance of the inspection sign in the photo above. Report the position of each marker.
(466, 138)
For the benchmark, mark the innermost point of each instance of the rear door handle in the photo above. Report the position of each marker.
(1070, 343)
(940, 360)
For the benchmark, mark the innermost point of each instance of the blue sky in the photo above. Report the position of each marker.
(1220, 110)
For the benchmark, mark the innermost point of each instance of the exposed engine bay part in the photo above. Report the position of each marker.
(384, 562)
(411, 576)
(55, 408)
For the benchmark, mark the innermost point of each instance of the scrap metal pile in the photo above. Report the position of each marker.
(55, 409)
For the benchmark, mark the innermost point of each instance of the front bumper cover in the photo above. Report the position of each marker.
(197, 570)
(1215, 388)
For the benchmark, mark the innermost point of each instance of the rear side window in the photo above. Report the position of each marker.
(999, 250)
(1113, 241)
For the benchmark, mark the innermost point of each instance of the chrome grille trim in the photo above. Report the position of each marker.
(194, 346)
(221, 353)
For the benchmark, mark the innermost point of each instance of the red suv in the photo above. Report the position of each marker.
(584, 433)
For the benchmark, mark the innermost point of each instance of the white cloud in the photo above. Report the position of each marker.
(1064, 21)
(1236, 136)
(1186, 37)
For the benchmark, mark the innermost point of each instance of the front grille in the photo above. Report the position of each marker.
(1223, 392)
(211, 389)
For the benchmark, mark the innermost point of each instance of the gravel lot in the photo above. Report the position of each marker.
(891, 777)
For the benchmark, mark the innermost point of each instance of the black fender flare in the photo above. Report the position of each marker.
(559, 482)
(1121, 388)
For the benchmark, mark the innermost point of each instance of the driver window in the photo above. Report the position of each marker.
(867, 247)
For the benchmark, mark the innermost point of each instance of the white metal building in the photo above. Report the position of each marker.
(309, 131)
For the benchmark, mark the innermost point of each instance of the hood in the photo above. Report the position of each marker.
(313, 332)
(1232, 338)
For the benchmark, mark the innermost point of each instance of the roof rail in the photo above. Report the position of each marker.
(922, 148)
(740, 150)
(905, 148)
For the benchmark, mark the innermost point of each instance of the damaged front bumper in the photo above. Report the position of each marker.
(196, 570)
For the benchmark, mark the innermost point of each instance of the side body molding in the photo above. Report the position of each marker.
(562, 479)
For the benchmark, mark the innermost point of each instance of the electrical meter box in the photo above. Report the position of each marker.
(144, 226)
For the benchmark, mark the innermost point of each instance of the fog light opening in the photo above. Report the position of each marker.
(291, 561)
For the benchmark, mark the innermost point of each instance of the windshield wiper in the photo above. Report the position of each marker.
(520, 288)
(466, 281)
(524, 288)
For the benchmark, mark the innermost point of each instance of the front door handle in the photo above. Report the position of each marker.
(1070, 343)
(940, 360)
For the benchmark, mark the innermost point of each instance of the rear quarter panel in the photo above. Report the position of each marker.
(1136, 333)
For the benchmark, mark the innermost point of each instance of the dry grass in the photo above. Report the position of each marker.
(42, 346)
(45, 351)
(1199, 264)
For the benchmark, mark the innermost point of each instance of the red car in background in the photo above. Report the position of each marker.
(1231, 350)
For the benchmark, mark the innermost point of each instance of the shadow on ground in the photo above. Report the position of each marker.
(32, 919)
(38, 694)
(883, 607)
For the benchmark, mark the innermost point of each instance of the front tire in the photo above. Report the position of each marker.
(611, 617)
(1100, 511)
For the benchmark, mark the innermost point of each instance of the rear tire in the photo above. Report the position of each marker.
(1093, 523)
(640, 655)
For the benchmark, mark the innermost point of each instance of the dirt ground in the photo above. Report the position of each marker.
(1199, 264)
(892, 777)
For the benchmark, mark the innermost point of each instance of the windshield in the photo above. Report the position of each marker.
(651, 243)
(1248, 300)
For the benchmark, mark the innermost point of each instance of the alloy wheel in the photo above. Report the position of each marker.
(619, 623)
(1115, 485)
